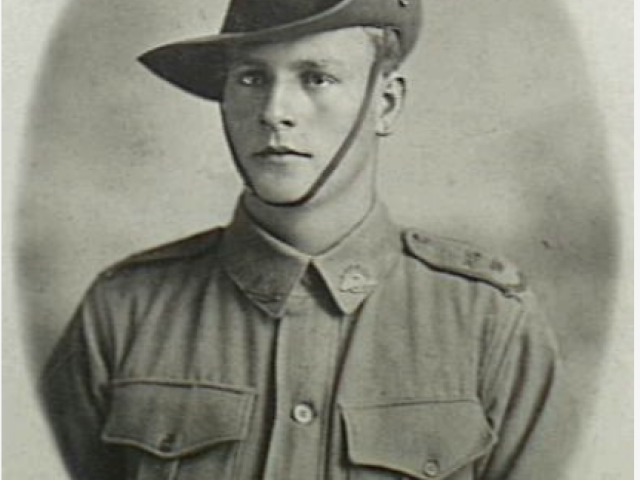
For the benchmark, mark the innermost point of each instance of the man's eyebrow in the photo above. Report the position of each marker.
(246, 60)
(319, 63)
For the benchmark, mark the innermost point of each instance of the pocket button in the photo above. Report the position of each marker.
(167, 442)
(431, 468)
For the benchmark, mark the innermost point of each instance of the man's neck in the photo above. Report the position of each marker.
(309, 229)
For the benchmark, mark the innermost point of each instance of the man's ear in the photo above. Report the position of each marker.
(394, 89)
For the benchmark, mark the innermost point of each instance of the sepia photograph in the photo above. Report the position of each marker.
(318, 239)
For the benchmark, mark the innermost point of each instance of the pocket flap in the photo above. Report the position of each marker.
(171, 419)
(425, 440)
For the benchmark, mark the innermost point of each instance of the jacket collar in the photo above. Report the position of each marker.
(266, 269)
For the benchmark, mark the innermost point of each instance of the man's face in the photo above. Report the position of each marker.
(289, 106)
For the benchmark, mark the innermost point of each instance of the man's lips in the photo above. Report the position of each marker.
(280, 151)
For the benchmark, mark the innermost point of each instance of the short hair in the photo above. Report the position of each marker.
(387, 47)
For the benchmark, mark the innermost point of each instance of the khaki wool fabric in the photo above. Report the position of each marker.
(230, 355)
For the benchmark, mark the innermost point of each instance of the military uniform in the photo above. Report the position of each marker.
(230, 355)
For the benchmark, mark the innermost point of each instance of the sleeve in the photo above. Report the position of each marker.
(75, 396)
(520, 396)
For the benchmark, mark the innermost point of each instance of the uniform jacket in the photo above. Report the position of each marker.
(229, 355)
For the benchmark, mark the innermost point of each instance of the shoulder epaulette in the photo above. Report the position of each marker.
(463, 259)
(186, 247)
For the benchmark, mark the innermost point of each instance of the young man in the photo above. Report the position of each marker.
(312, 337)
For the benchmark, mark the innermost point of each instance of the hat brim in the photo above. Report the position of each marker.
(199, 65)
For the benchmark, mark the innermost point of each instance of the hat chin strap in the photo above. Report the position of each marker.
(335, 161)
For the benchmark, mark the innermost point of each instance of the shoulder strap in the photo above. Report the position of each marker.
(465, 260)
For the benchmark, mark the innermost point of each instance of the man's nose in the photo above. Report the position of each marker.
(279, 110)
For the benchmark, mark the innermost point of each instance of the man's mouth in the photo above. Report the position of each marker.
(275, 151)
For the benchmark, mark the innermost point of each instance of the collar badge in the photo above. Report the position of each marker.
(356, 279)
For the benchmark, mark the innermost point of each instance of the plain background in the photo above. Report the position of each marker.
(517, 137)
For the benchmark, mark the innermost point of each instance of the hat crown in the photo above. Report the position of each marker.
(255, 15)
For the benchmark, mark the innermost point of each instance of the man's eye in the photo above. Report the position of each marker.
(318, 79)
(252, 78)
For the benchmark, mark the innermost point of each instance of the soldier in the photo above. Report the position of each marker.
(312, 337)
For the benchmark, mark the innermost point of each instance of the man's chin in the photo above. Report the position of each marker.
(276, 196)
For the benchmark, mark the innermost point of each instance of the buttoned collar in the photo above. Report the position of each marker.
(267, 269)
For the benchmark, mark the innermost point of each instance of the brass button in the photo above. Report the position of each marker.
(431, 468)
(303, 413)
(472, 258)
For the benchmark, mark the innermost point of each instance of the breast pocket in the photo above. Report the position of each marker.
(178, 430)
(426, 440)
